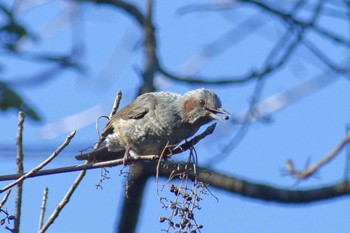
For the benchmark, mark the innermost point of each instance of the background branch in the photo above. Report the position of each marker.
(308, 172)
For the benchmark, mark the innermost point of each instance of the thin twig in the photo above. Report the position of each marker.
(187, 145)
(43, 208)
(41, 165)
(97, 125)
(311, 170)
(347, 162)
(157, 169)
(102, 136)
(19, 170)
(63, 202)
(116, 103)
(4, 199)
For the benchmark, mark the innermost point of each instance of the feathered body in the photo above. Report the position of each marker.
(154, 120)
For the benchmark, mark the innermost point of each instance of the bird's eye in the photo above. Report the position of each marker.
(202, 102)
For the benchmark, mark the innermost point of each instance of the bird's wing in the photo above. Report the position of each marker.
(132, 111)
(135, 110)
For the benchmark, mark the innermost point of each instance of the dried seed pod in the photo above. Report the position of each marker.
(176, 212)
(184, 222)
(176, 191)
(190, 215)
(172, 206)
(184, 208)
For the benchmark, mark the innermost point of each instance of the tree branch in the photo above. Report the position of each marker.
(43, 208)
(150, 46)
(19, 170)
(308, 172)
(303, 24)
(130, 9)
(253, 190)
(4, 199)
(35, 170)
(132, 202)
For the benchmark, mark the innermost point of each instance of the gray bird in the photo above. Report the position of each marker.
(153, 121)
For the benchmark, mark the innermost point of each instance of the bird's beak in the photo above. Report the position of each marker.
(213, 113)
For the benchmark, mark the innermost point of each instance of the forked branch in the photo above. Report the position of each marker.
(308, 172)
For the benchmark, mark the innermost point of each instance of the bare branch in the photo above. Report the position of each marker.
(151, 58)
(32, 172)
(324, 58)
(185, 146)
(347, 162)
(130, 9)
(135, 187)
(19, 170)
(4, 199)
(234, 185)
(262, 73)
(311, 24)
(258, 191)
(43, 208)
(115, 107)
(116, 103)
(311, 170)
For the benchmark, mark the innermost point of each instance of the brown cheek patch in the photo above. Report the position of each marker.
(189, 105)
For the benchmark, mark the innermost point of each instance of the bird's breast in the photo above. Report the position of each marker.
(150, 134)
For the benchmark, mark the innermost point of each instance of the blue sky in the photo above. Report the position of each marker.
(311, 127)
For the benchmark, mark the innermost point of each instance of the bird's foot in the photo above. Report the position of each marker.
(129, 154)
(126, 157)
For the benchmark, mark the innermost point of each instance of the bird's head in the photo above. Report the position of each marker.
(201, 106)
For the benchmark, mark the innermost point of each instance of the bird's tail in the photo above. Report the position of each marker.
(101, 154)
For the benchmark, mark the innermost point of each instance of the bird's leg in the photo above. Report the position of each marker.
(126, 155)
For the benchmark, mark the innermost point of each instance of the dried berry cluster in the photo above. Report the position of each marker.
(7, 217)
(103, 176)
(182, 218)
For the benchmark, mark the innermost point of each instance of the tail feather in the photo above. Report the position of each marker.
(101, 154)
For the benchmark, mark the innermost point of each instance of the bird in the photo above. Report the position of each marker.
(153, 121)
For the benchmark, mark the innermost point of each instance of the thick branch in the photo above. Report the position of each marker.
(259, 191)
(135, 188)
(150, 46)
